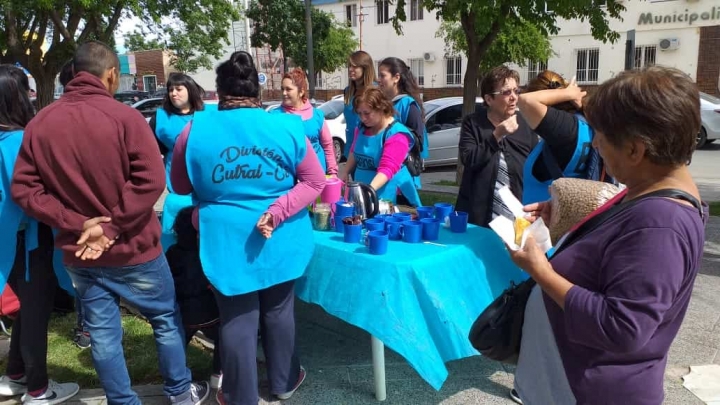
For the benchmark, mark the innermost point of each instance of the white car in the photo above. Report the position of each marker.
(333, 112)
(710, 117)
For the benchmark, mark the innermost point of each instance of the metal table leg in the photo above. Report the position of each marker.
(378, 356)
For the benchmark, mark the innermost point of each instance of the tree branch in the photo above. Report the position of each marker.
(32, 27)
(113, 22)
(495, 28)
(74, 18)
(57, 22)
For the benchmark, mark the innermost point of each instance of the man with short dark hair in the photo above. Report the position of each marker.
(89, 167)
(494, 144)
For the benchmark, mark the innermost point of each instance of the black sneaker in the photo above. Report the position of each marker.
(515, 397)
(81, 339)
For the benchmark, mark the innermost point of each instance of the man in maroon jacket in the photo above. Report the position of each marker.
(89, 167)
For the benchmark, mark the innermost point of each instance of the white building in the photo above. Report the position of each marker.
(680, 33)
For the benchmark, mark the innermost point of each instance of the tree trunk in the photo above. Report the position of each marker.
(470, 92)
(45, 90)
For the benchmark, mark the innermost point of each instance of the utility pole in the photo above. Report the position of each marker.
(361, 18)
(630, 50)
(311, 64)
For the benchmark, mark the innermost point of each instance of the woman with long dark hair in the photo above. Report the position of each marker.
(399, 85)
(254, 174)
(183, 99)
(21, 239)
(361, 72)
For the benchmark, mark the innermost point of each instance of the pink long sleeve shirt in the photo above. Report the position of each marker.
(393, 155)
(309, 173)
(306, 112)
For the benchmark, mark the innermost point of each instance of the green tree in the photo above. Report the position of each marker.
(28, 27)
(281, 25)
(518, 42)
(482, 22)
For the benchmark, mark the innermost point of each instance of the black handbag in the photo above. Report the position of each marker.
(497, 332)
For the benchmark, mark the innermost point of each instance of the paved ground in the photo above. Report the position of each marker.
(337, 355)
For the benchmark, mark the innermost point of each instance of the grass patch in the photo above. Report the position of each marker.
(430, 198)
(715, 208)
(66, 362)
(446, 183)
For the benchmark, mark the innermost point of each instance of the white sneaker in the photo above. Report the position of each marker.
(215, 381)
(55, 393)
(10, 387)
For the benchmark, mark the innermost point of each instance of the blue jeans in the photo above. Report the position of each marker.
(148, 287)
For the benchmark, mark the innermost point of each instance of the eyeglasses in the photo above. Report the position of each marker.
(508, 92)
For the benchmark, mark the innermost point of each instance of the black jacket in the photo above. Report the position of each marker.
(479, 153)
(192, 289)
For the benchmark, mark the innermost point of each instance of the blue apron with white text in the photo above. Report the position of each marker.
(240, 161)
(368, 151)
(313, 128)
(402, 103)
(535, 190)
(13, 218)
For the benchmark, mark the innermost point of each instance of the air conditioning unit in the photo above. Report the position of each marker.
(429, 57)
(669, 44)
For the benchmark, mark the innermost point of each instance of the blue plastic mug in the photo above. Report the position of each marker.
(393, 225)
(406, 216)
(431, 228)
(342, 210)
(375, 224)
(352, 233)
(458, 221)
(443, 210)
(425, 212)
(412, 231)
(377, 242)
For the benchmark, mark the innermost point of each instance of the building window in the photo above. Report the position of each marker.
(417, 67)
(534, 69)
(645, 56)
(150, 83)
(416, 10)
(453, 71)
(383, 11)
(588, 61)
(351, 17)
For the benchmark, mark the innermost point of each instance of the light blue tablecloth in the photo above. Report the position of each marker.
(418, 299)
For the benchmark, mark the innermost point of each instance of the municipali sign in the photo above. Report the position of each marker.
(686, 17)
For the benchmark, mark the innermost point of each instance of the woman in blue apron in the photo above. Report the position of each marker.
(295, 101)
(380, 148)
(26, 260)
(399, 85)
(182, 101)
(552, 107)
(361, 74)
(253, 175)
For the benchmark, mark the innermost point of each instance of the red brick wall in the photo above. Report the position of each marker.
(150, 63)
(708, 67)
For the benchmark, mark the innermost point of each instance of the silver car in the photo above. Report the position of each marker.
(710, 116)
(443, 119)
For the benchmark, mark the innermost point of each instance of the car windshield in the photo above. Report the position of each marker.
(709, 98)
(332, 109)
(430, 107)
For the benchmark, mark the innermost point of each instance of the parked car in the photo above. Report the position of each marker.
(443, 119)
(335, 119)
(270, 105)
(148, 107)
(131, 97)
(710, 117)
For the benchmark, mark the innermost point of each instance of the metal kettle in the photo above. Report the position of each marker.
(364, 198)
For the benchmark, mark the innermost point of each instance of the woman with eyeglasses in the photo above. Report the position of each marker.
(494, 145)
(553, 109)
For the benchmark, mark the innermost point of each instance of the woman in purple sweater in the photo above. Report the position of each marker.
(600, 321)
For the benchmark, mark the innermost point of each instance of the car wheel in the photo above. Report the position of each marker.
(338, 146)
(701, 139)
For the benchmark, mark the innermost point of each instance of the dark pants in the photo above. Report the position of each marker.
(28, 343)
(212, 333)
(274, 310)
